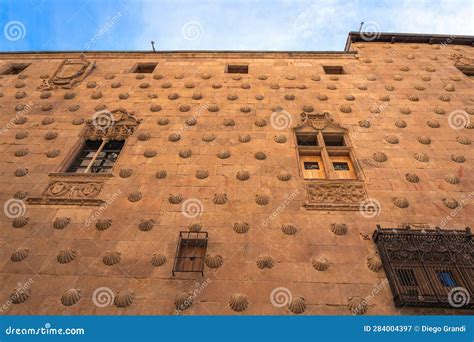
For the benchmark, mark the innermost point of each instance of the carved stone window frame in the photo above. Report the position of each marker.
(68, 188)
(322, 125)
(332, 192)
(106, 125)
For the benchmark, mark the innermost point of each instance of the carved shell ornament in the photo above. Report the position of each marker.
(451, 179)
(320, 263)
(289, 229)
(380, 157)
(161, 174)
(158, 260)
(202, 174)
(191, 121)
(19, 254)
(223, 154)
(125, 173)
(184, 300)
(220, 199)
(412, 178)
(208, 137)
(214, 260)
(19, 222)
(175, 199)
(213, 108)
(19, 295)
(229, 123)
(124, 298)
(174, 137)
(401, 202)
(425, 140)
(195, 227)
(241, 227)
(422, 157)
(53, 153)
(265, 261)
(391, 139)
(450, 203)
(357, 305)
(339, 228)
(260, 155)
(154, 109)
(111, 258)
(144, 136)
(374, 263)
(66, 255)
(184, 108)
(146, 225)
(280, 139)
(185, 153)
(297, 305)
(262, 199)
(21, 152)
(61, 222)
(103, 224)
(284, 176)
(135, 196)
(150, 153)
(458, 158)
(244, 138)
(238, 302)
(71, 297)
(243, 175)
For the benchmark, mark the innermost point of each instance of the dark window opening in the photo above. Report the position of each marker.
(338, 166)
(14, 69)
(406, 277)
(307, 140)
(333, 70)
(144, 68)
(96, 156)
(190, 252)
(467, 70)
(311, 165)
(334, 140)
(447, 278)
(237, 69)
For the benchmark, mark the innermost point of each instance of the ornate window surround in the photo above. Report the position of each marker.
(66, 188)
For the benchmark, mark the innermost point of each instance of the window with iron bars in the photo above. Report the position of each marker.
(96, 156)
(190, 252)
(426, 267)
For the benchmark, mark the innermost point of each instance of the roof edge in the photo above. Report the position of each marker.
(419, 38)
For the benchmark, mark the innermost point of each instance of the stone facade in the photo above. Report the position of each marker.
(395, 101)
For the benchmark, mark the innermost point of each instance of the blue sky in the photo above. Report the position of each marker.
(37, 25)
